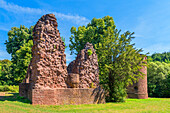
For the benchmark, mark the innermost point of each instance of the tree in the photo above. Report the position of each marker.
(119, 61)
(5, 75)
(158, 79)
(162, 57)
(20, 66)
(19, 45)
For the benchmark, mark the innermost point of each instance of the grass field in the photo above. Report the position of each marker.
(12, 103)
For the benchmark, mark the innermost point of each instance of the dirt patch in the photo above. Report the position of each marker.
(2, 93)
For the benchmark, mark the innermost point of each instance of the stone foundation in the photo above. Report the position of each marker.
(25, 90)
(62, 96)
(137, 95)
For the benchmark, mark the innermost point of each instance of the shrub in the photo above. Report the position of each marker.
(158, 79)
(9, 88)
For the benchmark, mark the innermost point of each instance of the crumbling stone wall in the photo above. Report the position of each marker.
(48, 65)
(47, 80)
(86, 65)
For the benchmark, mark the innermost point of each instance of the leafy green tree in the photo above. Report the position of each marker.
(23, 56)
(19, 45)
(162, 57)
(5, 75)
(119, 61)
(17, 37)
(158, 79)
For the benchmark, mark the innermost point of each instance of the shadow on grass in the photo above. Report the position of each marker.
(14, 97)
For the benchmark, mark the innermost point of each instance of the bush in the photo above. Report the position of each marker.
(9, 88)
(158, 79)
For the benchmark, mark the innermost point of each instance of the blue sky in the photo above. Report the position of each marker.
(149, 19)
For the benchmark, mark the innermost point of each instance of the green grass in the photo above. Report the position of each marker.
(12, 103)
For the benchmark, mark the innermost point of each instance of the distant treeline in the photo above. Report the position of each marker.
(159, 75)
(162, 57)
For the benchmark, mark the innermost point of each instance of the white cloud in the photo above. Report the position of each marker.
(35, 11)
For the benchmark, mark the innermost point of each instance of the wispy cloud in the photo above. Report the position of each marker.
(152, 28)
(35, 11)
(3, 28)
(159, 48)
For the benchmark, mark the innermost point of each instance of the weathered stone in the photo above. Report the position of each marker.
(48, 52)
(73, 80)
(47, 81)
(86, 65)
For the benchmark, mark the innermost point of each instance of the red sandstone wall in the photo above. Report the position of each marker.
(87, 67)
(67, 96)
(45, 82)
(48, 64)
(25, 90)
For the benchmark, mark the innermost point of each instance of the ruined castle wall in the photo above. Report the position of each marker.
(48, 59)
(47, 81)
(86, 65)
(63, 96)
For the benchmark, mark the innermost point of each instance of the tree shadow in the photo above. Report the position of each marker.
(14, 97)
(99, 95)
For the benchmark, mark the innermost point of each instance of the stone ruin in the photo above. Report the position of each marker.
(48, 65)
(139, 89)
(49, 81)
(86, 67)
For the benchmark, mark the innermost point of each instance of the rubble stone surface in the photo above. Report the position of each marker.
(48, 65)
(47, 81)
(86, 65)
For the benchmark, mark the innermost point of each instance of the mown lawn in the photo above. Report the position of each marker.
(12, 103)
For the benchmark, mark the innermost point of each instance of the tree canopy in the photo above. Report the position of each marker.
(119, 61)
(159, 79)
(162, 57)
(5, 75)
(19, 45)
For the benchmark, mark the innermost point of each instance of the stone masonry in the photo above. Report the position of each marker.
(48, 65)
(139, 89)
(47, 80)
(86, 66)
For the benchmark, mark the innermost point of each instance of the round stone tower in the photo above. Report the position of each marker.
(139, 89)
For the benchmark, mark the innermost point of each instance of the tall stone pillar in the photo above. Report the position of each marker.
(139, 89)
